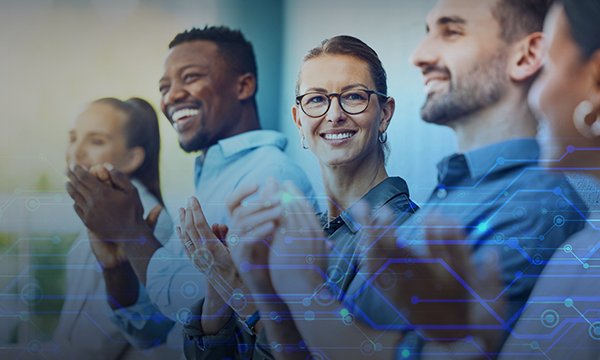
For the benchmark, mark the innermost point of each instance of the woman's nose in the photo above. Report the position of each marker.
(335, 113)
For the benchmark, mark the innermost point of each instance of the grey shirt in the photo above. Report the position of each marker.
(236, 342)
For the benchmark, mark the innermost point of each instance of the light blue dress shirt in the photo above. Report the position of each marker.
(173, 283)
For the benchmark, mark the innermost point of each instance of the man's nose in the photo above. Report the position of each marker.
(426, 53)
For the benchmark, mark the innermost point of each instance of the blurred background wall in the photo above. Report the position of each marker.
(57, 55)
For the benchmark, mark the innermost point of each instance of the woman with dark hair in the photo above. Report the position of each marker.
(342, 113)
(124, 134)
(561, 319)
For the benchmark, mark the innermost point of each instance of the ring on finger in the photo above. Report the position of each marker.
(188, 244)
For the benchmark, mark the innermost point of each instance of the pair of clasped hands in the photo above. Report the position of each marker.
(275, 245)
(270, 239)
(110, 207)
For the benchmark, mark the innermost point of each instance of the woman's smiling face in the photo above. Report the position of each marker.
(338, 138)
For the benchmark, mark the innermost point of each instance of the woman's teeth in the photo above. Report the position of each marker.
(183, 113)
(338, 136)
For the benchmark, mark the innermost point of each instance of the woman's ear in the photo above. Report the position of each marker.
(296, 117)
(387, 112)
(133, 160)
(246, 86)
(528, 57)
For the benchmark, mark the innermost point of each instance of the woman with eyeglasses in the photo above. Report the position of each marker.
(342, 112)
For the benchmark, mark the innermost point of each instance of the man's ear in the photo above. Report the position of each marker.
(387, 112)
(528, 57)
(134, 159)
(246, 86)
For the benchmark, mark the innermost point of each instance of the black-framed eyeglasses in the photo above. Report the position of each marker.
(353, 102)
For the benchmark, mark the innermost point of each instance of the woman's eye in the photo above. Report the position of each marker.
(354, 97)
(97, 142)
(316, 99)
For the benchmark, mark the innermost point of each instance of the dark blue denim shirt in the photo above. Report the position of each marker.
(515, 215)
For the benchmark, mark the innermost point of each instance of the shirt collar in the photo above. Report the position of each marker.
(377, 197)
(235, 145)
(249, 140)
(495, 157)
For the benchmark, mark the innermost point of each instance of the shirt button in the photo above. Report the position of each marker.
(442, 193)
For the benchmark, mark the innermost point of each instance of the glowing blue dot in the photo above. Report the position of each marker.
(309, 316)
(344, 312)
(288, 240)
(245, 266)
(414, 299)
(302, 344)
(500, 161)
(513, 243)
(306, 301)
(570, 149)
(518, 274)
(273, 315)
(405, 353)
(158, 317)
(569, 303)
(535, 345)
(482, 227)
(586, 266)
(557, 191)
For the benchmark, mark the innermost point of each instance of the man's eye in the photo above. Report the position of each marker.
(189, 77)
(452, 33)
(163, 89)
(97, 142)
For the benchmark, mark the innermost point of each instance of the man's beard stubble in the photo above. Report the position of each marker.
(481, 87)
(199, 141)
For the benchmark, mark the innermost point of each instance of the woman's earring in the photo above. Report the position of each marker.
(383, 137)
(582, 111)
(302, 143)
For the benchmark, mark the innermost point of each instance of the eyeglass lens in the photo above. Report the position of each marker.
(352, 102)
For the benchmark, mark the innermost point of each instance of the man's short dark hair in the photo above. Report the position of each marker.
(233, 46)
(519, 18)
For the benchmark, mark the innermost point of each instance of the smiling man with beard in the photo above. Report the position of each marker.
(478, 60)
(208, 90)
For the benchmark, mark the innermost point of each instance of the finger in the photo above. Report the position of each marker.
(215, 230)
(100, 173)
(188, 225)
(235, 199)
(199, 221)
(184, 241)
(253, 220)
(79, 211)
(153, 215)
(120, 180)
(263, 231)
(75, 194)
(223, 229)
(83, 177)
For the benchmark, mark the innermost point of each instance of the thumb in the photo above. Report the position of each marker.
(119, 180)
(153, 216)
